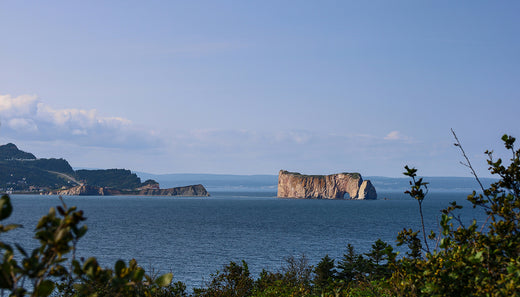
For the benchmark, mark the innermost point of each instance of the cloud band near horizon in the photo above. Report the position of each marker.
(27, 118)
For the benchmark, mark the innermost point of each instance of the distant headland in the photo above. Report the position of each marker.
(334, 186)
(22, 172)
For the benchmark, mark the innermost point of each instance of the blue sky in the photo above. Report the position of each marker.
(252, 87)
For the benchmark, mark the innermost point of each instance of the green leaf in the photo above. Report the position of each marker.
(478, 256)
(164, 280)
(444, 242)
(120, 265)
(5, 207)
(137, 275)
(62, 233)
(81, 231)
(90, 266)
(45, 288)
(10, 227)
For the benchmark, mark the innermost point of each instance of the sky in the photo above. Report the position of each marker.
(252, 87)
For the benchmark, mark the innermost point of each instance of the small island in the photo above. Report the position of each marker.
(22, 172)
(334, 186)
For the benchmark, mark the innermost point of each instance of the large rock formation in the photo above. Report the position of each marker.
(367, 190)
(334, 186)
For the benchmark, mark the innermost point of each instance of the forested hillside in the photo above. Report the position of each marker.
(111, 178)
(18, 176)
(22, 171)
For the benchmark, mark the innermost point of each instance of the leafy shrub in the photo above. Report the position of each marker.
(234, 280)
(471, 260)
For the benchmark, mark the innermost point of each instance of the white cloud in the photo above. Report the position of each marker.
(22, 125)
(29, 117)
(79, 132)
(78, 117)
(18, 106)
(396, 135)
(298, 137)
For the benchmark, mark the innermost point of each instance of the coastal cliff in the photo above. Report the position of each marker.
(87, 190)
(334, 186)
(194, 190)
(81, 190)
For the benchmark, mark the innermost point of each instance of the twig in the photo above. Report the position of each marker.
(422, 216)
(468, 164)
(424, 230)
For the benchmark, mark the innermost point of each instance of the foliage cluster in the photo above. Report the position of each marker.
(468, 260)
(354, 275)
(458, 261)
(149, 182)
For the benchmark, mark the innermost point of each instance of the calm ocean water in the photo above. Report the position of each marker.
(193, 237)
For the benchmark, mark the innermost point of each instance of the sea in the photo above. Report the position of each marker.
(193, 237)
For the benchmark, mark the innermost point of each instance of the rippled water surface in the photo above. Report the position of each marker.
(193, 237)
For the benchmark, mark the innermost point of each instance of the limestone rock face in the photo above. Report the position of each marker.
(367, 191)
(149, 187)
(334, 186)
(81, 190)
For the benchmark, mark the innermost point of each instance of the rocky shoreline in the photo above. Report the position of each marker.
(88, 190)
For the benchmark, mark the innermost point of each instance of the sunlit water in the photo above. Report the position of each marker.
(193, 237)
